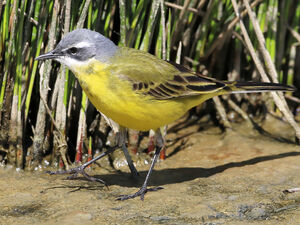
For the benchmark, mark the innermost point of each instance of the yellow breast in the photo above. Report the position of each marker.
(115, 98)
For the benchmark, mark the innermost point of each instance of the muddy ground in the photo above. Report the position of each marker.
(209, 177)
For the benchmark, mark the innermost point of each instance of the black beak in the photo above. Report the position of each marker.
(49, 55)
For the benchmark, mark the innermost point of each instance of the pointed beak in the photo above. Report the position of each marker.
(49, 55)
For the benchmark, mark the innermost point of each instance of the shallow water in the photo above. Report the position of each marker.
(209, 178)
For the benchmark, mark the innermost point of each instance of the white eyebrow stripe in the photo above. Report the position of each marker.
(82, 44)
(79, 45)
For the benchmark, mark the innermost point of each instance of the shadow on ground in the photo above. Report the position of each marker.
(179, 175)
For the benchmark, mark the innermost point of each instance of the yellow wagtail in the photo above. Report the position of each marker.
(137, 90)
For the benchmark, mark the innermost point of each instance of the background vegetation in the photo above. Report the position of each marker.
(46, 118)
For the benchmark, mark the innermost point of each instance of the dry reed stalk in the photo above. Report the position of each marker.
(40, 128)
(278, 97)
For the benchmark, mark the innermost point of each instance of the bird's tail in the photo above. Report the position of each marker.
(248, 87)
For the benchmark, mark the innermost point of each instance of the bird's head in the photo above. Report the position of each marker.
(80, 46)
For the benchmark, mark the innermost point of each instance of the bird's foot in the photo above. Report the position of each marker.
(140, 193)
(74, 173)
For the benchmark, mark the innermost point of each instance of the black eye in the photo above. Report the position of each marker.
(72, 51)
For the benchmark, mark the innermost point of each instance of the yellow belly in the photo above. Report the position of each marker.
(116, 99)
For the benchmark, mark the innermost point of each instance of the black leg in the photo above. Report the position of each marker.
(80, 169)
(143, 190)
(132, 168)
(121, 142)
(121, 138)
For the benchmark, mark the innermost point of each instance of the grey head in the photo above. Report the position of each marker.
(81, 45)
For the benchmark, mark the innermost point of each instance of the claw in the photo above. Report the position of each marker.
(80, 169)
(74, 173)
(140, 193)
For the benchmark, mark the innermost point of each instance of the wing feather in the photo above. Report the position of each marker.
(158, 78)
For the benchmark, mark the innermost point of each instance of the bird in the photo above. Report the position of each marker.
(135, 89)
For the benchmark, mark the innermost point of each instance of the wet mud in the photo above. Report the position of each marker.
(209, 177)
